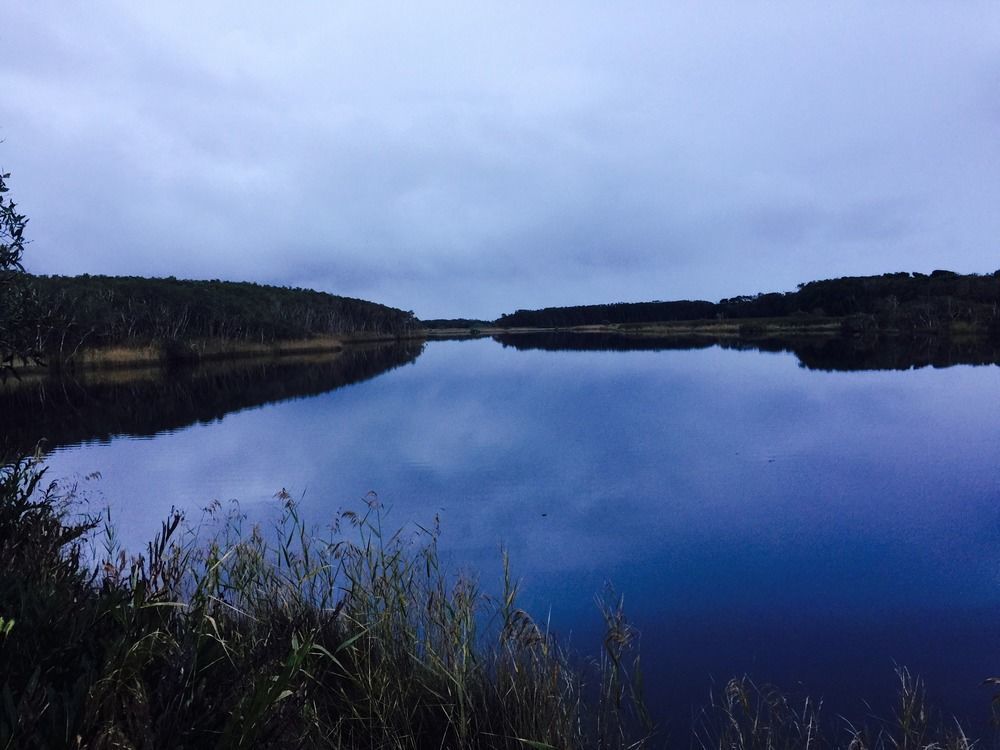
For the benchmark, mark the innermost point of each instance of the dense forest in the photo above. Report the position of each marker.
(94, 311)
(905, 302)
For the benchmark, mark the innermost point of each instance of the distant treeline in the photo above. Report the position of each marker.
(897, 301)
(440, 323)
(616, 313)
(90, 311)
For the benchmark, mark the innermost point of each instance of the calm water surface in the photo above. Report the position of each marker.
(812, 529)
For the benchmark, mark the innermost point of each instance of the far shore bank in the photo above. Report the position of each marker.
(714, 328)
(157, 354)
(749, 329)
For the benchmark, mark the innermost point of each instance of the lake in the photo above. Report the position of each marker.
(770, 513)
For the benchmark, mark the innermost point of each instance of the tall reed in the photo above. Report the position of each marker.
(279, 638)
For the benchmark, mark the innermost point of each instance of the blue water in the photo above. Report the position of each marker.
(811, 529)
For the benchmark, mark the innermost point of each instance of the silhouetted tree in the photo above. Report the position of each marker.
(16, 340)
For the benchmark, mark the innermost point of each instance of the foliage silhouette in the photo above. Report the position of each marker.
(892, 302)
(18, 324)
(108, 311)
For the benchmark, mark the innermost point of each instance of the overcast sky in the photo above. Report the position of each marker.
(471, 158)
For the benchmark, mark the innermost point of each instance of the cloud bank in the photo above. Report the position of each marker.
(470, 159)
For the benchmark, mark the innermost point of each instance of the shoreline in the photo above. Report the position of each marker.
(161, 354)
(749, 329)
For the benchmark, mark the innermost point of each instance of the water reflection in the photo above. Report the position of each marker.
(829, 353)
(68, 409)
(810, 528)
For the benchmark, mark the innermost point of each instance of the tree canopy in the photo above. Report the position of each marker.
(16, 342)
(96, 311)
(906, 302)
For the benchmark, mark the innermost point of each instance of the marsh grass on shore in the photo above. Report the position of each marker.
(350, 638)
(357, 638)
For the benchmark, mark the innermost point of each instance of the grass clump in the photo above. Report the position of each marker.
(357, 638)
(746, 716)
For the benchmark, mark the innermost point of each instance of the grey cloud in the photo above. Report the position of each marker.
(876, 221)
(473, 159)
